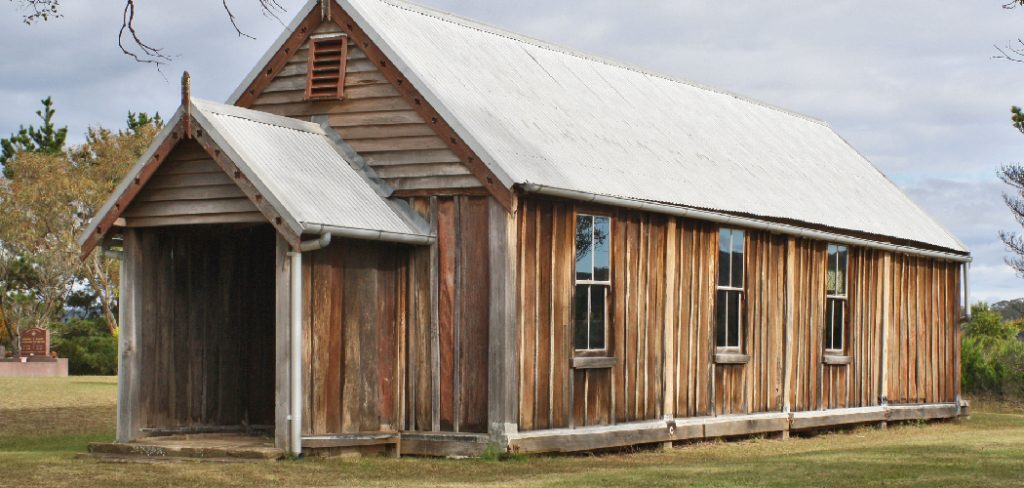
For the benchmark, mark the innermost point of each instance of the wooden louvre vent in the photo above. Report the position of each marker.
(327, 67)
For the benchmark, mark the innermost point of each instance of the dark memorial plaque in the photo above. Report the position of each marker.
(35, 342)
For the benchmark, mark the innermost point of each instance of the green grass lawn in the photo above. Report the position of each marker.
(46, 423)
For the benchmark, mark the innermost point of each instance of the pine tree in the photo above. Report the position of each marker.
(47, 139)
(1013, 175)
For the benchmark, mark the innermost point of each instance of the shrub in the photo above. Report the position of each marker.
(992, 357)
(87, 344)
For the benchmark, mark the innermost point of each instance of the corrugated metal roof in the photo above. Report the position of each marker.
(300, 171)
(304, 172)
(538, 113)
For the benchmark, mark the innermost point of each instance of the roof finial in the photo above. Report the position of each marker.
(325, 9)
(186, 102)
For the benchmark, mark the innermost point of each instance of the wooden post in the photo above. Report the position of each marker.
(282, 343)
(502, 373)
(129, 420)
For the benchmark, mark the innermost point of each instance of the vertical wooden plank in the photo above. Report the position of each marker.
(528, 244)
(543, 318)
(668, 392)
(447, 245)
(561, 252)
(435, 317)
(474, 326)
(619, 247)
(503, 319)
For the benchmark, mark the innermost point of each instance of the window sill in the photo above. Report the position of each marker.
(731, 358)
(835, 360)
(594, 362)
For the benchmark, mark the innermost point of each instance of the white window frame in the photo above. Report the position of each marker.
(831, 299)
(605, 285)
(741, 290)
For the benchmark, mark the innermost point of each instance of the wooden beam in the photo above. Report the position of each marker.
(603, 437)
(351, 440)
(746, 425)
(282, 343)
(129, 363)
(502, 396)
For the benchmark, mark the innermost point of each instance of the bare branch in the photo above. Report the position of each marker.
(149, 54)
(39, 10)
(1011, 52)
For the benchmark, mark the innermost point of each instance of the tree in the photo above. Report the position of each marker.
(47, 203)
(47, 139)
(1013, 175)
(128, 38)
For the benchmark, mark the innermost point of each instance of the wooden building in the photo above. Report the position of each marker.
(409, 230)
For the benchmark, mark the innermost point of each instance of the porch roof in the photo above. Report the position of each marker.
(308, 176)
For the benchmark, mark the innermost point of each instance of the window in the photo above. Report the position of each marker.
(835, 299)
(325, 77)
(593, 280)
(729, 301)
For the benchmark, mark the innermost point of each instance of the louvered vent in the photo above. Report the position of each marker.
(326, 78)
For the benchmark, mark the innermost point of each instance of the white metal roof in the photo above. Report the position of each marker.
(541, 114)
(299, 170)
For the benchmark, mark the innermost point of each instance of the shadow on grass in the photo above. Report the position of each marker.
(53, 444)
(56, 421)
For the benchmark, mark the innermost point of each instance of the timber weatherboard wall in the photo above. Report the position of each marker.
(190, 188)
(374, 119)
(661, 324)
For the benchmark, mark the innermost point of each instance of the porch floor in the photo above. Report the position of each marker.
(219, 446)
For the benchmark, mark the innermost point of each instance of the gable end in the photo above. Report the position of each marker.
(382, 116)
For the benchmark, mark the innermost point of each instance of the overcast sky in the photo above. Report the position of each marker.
(914, 89)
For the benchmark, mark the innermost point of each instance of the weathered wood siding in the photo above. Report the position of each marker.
(662, 323)
(206, 328)
(448, 304)
(190, 188)
(858, 383)
(809, 268)
(374, 119)
(693, 330)
(757, 385)
(353, 318)
(923, 331)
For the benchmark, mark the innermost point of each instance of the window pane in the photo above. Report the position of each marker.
(737, 258)
(829, 316)
(841, 271)
(597, 299)
(837, 324)
(720, 317)
(580, 317)
(830, 286)
(584, 247)
(602, 247)
(724, 246)
(734, 319)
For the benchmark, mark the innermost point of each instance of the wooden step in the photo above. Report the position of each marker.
(193, 446)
